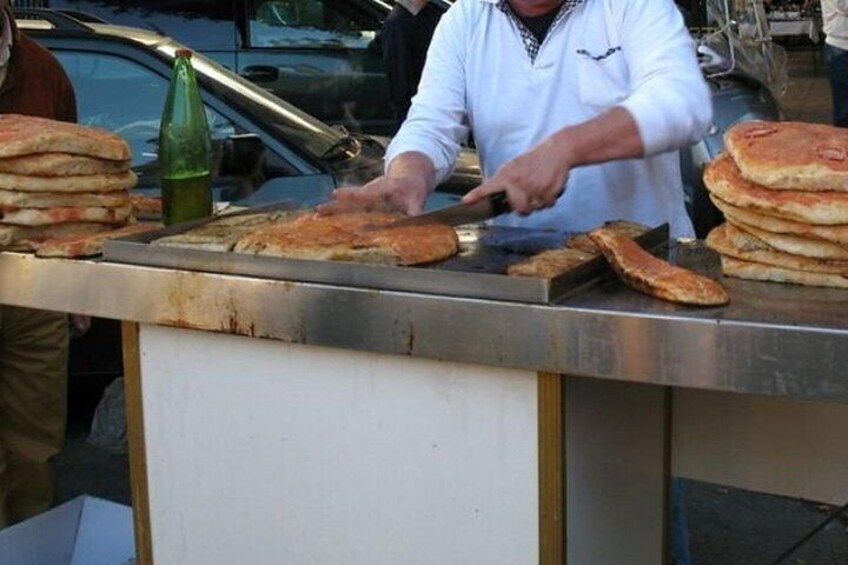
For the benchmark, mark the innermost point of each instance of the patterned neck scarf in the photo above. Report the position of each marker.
(531, 44)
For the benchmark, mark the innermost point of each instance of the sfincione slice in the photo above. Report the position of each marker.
(645, 273)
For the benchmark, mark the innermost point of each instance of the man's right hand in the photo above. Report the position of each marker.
(405, 188)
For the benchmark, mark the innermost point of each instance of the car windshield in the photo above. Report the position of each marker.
(277, 116)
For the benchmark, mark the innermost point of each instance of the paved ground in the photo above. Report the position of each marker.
(727, 526)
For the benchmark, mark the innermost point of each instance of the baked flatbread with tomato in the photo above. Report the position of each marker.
(60, 165)
(626, 228)
(550, 263)
(27, 238)
(26, 135)
(77, 183)
(355, 236)
(15, 200)
(750, 270)
(723, 179)
(650, 275)
(48, 216)
(797, 245)
(837, 234)
(731, 241)
(791, 155)
(88, 245)
(222, 234)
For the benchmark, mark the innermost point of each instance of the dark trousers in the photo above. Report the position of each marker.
(836, 60)
(33, 392)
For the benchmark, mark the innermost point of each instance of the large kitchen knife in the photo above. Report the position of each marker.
(460, 214)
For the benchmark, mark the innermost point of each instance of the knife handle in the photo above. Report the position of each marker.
(500, 203)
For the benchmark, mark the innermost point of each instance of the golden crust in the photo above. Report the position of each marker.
(25, 135)
(648, 274)
(626, 228)
(731, 241)
(88, 245)
(791, 155)
(60, 164)
(352, 237)
(750, 270)
(72, 184)
(723, 179)
(796, 245)
(837, 234)
(15, 200)
(551, 263)
(50, 216)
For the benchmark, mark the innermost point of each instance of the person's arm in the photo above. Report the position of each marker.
(668, 107)
(424, 150)
(534, 179)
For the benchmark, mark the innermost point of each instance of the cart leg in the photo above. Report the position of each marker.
(616, 453)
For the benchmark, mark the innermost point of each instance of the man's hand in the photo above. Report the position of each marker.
(404, 188)
(535, 179)
(532, 181)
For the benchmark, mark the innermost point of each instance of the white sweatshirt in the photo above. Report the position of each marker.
(835, 22)
(636, 54)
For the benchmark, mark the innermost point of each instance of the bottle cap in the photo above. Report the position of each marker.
(183, 52)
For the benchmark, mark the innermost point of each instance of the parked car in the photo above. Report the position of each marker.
(322, 56)
(266, 149)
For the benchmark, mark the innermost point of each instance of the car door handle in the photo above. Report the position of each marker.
(261, 73)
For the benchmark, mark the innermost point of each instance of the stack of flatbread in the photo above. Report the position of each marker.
(783, 189)
(58, 180)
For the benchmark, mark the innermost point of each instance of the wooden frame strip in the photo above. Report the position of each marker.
(551, 470)
(135, 436)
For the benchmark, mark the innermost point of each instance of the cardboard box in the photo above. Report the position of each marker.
(83, 531)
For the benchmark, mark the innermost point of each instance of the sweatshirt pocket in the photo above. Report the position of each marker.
(602, 76)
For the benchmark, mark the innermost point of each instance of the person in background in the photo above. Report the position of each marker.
(33, 343)
(835, 24)
(405, 38)
(576, 116)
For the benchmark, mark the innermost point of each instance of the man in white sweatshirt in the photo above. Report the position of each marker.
(577, 107)
(835, 20)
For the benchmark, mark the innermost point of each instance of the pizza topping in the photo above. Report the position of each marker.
(832, 153)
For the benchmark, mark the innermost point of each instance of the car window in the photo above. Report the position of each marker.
(309, 23)
(123, 96)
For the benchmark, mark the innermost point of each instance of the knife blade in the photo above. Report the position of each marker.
(492, 205)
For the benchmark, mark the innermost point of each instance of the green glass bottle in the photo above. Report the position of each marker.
(185, 148)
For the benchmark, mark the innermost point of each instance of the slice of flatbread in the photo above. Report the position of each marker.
(791, 155)
(60, 164)
(146, 206)
(551, 263)
(49, 216)
(729, 240)
(25, 135)
(223, 233)
(797, 245)
(836, 234)
(15, 200)
(352, 237)
(89, 245)
(723, 179)
(750, 270)
(652, 276)
(626, 228)
(12, 235)
(78, 183)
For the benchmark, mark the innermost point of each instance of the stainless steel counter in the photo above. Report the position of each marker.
(772, 339)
